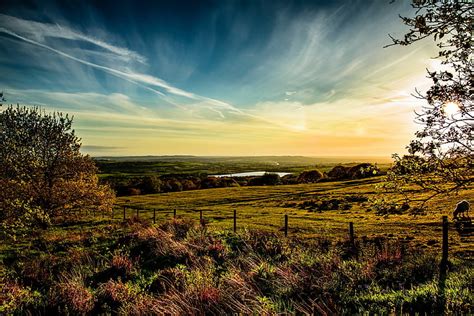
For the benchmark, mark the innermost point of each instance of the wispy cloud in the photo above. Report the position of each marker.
(41, 31)
(35, 33)
(309, 80)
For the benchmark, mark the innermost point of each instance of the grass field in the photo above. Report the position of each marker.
(99, 264)
(264, 208)
(161, 165)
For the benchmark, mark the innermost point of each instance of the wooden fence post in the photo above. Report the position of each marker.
(154, 216)
(444, 259)
(286, 225)
(174, 213)
(351, 234)
(124, 216)
(235, 221)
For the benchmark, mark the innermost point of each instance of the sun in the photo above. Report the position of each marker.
(450, 108)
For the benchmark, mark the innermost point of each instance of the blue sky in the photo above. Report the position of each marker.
(218, 77)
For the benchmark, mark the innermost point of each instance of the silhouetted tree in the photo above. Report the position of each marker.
(42, 172)
(2, 98)
(441, 155)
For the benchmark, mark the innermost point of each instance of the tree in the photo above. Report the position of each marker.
(441, 156)
(43, 175)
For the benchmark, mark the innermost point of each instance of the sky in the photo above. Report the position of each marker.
(218, 77)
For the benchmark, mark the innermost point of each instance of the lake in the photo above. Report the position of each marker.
(249, 174)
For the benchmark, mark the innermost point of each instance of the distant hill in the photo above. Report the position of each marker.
(287, 160)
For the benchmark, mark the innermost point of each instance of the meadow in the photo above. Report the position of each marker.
(153, 263)
(196, 165)
(264, 208)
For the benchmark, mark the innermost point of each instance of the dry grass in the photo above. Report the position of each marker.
(263, 208)
(100, 265)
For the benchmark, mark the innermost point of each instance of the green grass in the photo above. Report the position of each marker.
(147, 166)
(264, 208)
(102, 264)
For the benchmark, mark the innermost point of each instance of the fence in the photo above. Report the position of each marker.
(351, 233)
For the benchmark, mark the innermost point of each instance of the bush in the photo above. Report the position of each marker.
(178, 268)
(150, 185)
(310, 176)
(363, 170)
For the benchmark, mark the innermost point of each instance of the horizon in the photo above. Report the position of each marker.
(219, 78)
(241, 156)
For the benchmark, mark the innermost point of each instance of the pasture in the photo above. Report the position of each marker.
(264, 207)
(100, 264)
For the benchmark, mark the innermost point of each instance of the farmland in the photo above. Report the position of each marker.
(100, 263)
(163, 165)
(264, 207)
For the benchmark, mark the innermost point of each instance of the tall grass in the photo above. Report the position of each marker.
(180, 268)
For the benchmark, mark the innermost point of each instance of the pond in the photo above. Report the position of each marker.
(249, 174)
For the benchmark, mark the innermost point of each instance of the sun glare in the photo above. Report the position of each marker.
(450, 108)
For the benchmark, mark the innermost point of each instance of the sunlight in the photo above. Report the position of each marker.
(450, 108)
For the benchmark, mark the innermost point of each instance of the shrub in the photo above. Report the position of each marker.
(310, 176)
(73, 295)
(338, 173)
(116, 293)
(150, 185)
(363, 170)
(178, 227)
(134, 191)
(16, 299)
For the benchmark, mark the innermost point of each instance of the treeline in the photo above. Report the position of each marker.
(125, 185)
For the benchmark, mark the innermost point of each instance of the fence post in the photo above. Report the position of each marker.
(174, 213)
(235, 221)
(351, 234)
(154, 216)
(286, 225)
(444, 259)
(124, 216)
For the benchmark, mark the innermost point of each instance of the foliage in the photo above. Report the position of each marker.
(266, 179)
(310, 176)
(441, 157)
(43, 175)
(359, 171)
(164, 269)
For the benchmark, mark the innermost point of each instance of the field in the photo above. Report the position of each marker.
(101, 263)
(162, 165)
(264, 208)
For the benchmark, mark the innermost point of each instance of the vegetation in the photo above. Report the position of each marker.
(179, 267)
(43, 175)
(126, 184)
(142, 259)
(441, 157)
(98, 264)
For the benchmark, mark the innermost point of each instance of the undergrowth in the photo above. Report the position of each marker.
(180, 268)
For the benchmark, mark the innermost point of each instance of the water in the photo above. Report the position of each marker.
(249, 174)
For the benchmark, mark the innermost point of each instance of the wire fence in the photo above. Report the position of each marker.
(125, 212)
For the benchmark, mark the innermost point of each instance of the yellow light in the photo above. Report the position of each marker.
(450, 108)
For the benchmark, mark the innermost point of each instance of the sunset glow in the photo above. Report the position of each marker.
(219, 79)
(451, 108)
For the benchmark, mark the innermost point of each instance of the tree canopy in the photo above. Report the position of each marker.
(441, 157)
(43, 175)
